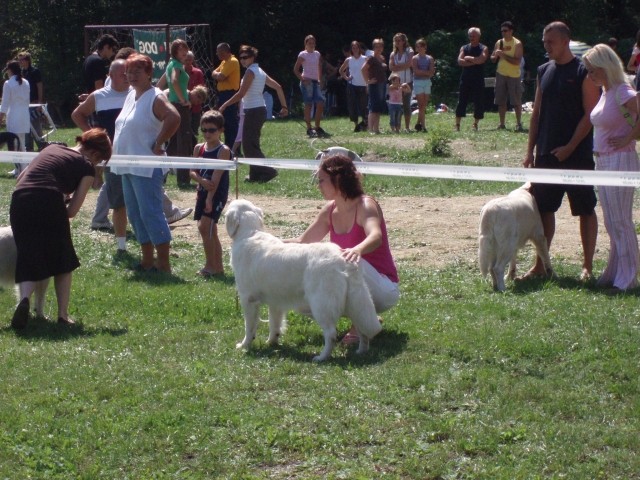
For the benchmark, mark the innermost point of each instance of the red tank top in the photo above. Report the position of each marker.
(380, 259)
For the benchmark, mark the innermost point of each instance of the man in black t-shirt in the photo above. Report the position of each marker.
(561, 134)
(96, 65)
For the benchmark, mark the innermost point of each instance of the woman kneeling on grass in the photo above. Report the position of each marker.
(355, 223)
(40, 219)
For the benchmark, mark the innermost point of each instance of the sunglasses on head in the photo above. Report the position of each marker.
(209, 130)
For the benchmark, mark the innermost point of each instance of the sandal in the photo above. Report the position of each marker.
(350, 339)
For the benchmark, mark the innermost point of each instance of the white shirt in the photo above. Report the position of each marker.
(254, 98)
(137, 129)
(15, 104)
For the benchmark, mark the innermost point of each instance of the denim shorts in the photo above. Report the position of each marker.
(422, 86)
(311, 91)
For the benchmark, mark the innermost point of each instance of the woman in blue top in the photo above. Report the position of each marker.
(255, 110)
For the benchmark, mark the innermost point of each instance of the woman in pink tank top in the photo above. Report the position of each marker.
(354, 221)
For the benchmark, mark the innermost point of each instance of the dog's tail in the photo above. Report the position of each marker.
(486, 242)
(360, 308)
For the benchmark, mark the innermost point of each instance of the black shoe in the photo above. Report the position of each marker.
(21, 315)
(311, 133)
(418, 127)
(320, 132)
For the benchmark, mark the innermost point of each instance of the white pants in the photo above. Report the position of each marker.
(384, 292)
(617, 208)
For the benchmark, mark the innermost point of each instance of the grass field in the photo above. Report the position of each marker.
(539, 382)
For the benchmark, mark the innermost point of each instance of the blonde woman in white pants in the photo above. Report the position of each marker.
(616, 126)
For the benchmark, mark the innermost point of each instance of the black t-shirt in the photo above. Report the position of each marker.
(33, 76)
(474, 74)
(95, 68)
(561, 109)
(57, 168)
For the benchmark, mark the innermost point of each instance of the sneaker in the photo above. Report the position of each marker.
(311, 132)
(179, 215)
(519, 128)
(320, 132)
(21, 315)
(501, 127)
(107, 225)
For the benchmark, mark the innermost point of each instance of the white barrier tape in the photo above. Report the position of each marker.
(456, 172)
(460, 172)
(140, 161)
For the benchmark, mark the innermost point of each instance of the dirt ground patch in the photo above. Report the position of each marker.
(432, 232)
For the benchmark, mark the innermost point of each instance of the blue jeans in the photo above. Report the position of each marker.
(395, 115)
(143, 199)
(230, 115)
(311, 92)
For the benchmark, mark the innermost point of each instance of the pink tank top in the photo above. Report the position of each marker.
(380, 259)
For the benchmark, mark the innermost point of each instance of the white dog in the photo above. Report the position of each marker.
(8, 254)
(310, 278)
(506, 223)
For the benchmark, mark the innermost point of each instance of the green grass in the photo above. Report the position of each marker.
(539, 382)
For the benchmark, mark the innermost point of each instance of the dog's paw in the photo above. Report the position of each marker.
(273, 341)
(243, 345)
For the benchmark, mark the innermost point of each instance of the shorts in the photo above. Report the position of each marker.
(508, 88)
(219, 202)
(311, 92)
(115, 195)
(582, 198)
(422, 86)
(377, 102)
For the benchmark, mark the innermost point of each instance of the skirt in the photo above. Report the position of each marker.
(42, 234)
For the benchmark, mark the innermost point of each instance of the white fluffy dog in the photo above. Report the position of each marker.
(8, 254)
(506, 224)
(310, 278)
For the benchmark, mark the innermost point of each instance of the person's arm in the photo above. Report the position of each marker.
(73, 207)
(162, 82)
(317, 230)
(462, 59)
(432, 67)
(175, 83)
(369, 218)
(484, 56)
(495, 55)
(170, 118)
(631, 66)
(533, 127)
(270, 82)
(590, 97)
(365, 73)
(297, 70)
(633, 106)
(343, 70)
(40, 89)
(515, 60)
(247, 80)
(83, 112)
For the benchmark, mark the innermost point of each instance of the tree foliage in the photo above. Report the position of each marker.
(53, 30)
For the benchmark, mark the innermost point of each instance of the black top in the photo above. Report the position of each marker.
(95, 68)
(561, 108)
(474, 74)
(57, 168)
(33, 76)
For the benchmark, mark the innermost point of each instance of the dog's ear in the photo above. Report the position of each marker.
(232, 222)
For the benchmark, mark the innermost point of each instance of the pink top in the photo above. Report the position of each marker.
(380, 259)
(608, 121)
(395, 96)
(310, 65)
